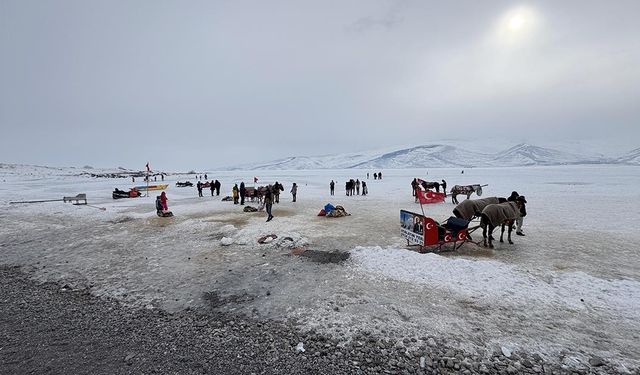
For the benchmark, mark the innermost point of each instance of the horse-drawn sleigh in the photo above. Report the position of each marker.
(426, 233)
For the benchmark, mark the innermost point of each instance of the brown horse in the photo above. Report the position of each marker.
(500, 214)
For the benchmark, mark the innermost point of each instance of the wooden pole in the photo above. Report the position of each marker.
(40, 201)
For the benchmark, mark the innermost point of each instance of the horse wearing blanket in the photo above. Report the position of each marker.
(465, 189)
(471, 208)
(499, 214)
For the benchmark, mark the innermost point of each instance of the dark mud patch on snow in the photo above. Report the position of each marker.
(215, 300)
(236, 221)
(324, 257)
(121, 220)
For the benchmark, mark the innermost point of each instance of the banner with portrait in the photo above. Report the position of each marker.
(412, 227)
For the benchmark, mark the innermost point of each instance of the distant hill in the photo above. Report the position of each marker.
(443, 155)
(426, 156)
(525, 154)
(631, 157)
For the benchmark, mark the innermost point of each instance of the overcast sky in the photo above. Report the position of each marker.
(199, 84)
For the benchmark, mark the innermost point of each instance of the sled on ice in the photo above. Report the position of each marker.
(120, 194)
(429, 235)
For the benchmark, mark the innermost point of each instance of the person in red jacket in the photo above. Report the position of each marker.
(163, 201)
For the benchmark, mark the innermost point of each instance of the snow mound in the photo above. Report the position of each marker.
(501, 283)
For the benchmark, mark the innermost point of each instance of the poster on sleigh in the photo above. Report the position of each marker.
(412, 227)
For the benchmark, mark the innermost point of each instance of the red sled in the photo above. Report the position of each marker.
(429, 235)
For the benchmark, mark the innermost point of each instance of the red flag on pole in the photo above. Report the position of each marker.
(428, 196)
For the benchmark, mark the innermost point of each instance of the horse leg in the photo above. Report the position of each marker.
(491, 228)
(453, 198)
(483, 224)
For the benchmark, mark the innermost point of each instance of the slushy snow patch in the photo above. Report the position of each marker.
(500, 283)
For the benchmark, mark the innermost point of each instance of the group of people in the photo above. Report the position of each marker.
(352, 187)
(214, 186)
(148, 178)
(268, 195)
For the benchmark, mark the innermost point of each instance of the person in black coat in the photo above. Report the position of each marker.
(444, 187)
(212, 186)
(268, 201)
(523, 213)
(243, 192)
(217, 188)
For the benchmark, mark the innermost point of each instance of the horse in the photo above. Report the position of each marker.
(430, 185)
(472, 208)
(500, 214)
(464, 189)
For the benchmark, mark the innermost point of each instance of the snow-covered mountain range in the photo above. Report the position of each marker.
(444, 155)
(426, 156)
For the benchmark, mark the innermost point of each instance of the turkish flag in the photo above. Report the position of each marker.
(428, 196)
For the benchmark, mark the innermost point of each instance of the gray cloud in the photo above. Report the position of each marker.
(390, 17)
(212, 83)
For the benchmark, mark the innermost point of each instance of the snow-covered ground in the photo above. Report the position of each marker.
(571, 286)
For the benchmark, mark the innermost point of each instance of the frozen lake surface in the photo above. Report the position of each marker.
(570, 288)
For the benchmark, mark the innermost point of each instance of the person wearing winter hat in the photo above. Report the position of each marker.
(523, 213)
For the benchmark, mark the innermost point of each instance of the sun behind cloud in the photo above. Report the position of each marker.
(516, 25)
